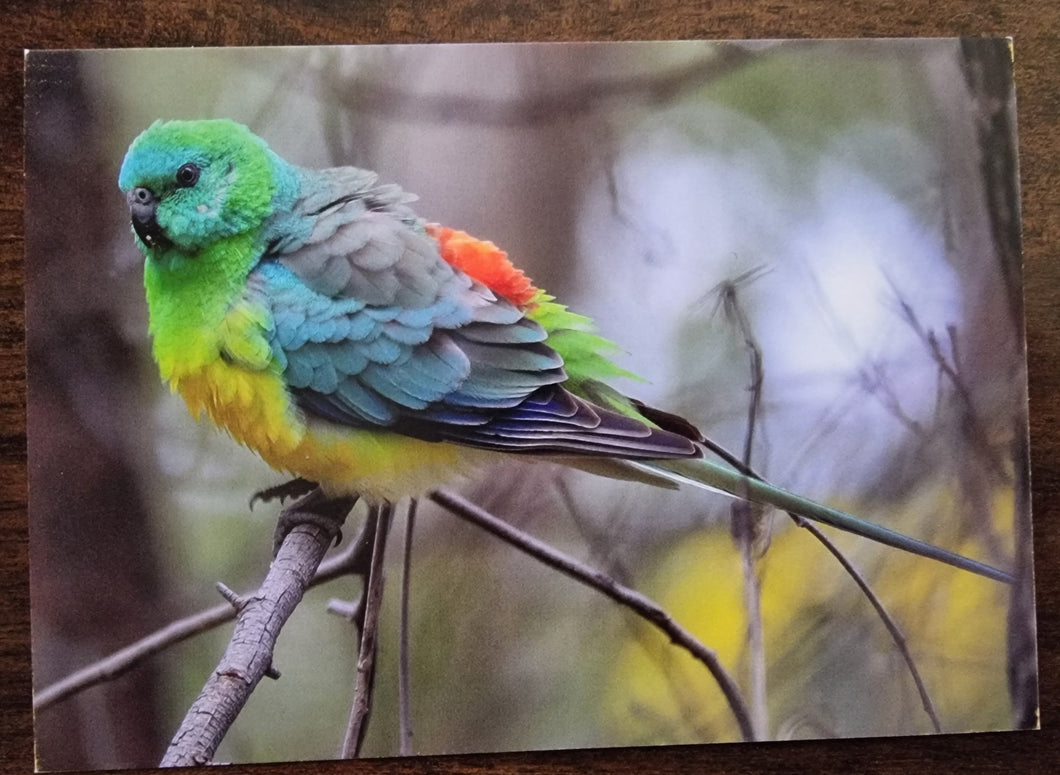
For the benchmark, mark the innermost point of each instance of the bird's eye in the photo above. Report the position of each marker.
(188, 175)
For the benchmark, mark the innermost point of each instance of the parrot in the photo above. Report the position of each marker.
(315, 317)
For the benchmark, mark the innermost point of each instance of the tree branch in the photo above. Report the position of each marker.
(372, 602)
(123, 660)
(404, 683)
(258, 623)
(381, 98)
(750, 530)
(635, 601)
(118, 663)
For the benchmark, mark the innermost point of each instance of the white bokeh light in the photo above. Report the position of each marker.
(838, 260)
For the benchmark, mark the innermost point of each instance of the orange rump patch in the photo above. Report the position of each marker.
(485, 262)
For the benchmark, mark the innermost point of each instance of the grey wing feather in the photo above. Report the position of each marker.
(374, 329)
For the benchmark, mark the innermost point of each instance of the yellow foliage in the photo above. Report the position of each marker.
(831, 666)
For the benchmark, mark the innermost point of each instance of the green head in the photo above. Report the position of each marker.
(192, 183)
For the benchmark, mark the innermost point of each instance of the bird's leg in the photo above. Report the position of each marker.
(316, 508)
(295, 488)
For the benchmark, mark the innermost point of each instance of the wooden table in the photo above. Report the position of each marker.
(1035, 25)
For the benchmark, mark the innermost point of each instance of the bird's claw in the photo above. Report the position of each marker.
(328, 514)
(295, 488)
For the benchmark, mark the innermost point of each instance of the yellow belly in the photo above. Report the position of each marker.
(255, 408)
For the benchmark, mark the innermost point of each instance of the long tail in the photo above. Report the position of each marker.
(712, 476)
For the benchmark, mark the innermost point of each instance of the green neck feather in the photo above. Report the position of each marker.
(188, 297)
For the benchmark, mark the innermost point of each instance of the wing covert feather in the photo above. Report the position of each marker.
(372, 328)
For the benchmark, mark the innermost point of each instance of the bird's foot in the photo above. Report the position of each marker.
(295, 488)
(316, 508)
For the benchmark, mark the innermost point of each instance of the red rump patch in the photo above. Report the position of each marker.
(485, 262)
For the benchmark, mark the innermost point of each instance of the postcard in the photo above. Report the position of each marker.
(523, 397)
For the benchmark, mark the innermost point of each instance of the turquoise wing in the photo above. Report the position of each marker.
(373, 329)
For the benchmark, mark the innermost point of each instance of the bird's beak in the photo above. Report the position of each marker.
(142, 206)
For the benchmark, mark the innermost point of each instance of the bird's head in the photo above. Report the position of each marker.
(191, 183)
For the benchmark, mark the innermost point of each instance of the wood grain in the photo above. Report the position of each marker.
(1035, 25)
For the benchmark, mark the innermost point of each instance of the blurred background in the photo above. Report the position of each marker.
(810, 249)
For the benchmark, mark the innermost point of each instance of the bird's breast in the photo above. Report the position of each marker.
(256, 409)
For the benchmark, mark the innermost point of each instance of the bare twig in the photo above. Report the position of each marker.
(729, 301)
(123, 660)
(404, 683)
(373, 600)
(875, 380)
(748, 527)
(114, 665)
(258, 624)
(635, 601)
(859, 579)
(972, 425)
(453, 108)
(892, 627)
(606, 553)
(756, 645)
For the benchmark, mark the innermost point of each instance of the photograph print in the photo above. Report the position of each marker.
(430, 399)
